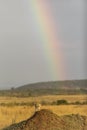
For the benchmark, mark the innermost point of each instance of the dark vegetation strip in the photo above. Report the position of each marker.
(58, 102)
(41, 92)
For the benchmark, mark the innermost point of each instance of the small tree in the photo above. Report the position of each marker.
(60, 102)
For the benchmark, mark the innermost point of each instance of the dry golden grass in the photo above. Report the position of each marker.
(69, 98)
(13, 114)
(9, 115)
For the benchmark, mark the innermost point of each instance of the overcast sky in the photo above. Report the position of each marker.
(21, 56)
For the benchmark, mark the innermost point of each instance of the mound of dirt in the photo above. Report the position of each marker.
(47, 120)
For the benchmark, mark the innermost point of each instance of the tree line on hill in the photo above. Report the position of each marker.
(70, 87)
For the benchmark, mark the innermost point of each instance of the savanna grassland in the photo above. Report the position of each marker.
(13, 110)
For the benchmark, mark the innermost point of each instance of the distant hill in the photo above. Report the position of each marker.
(52, 88)
(47, 120)
(70, 84)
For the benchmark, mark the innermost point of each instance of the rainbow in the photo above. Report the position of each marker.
(50, 41)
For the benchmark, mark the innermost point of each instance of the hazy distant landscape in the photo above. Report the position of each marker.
(48, 88)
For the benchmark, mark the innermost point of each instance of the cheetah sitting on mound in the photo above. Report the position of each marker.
(37, 107)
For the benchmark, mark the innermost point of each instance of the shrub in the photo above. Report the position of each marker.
(77, 103)
(64, 102)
